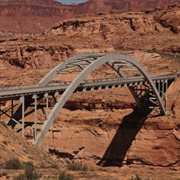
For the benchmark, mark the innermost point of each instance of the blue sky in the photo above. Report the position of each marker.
(71, 1)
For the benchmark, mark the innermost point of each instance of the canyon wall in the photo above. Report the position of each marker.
(17, 16)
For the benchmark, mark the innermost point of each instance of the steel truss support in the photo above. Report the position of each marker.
(94, 61)
(10, 112)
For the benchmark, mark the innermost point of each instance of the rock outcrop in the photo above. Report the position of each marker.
(154, 30)
(116, 136)
(30, 16)
(169, 19)
(96, 6)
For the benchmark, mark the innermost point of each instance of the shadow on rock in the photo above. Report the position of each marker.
(120, 144)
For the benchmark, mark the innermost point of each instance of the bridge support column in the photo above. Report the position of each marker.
(164, 92)
(35, 117)
(23, 108)
(47, 105)
(166, 81)
(12, 108)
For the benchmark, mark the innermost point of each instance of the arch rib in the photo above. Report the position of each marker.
(48, 77)
(110, 59)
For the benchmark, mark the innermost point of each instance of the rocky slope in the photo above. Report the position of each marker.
(155, 31)
(13, 146)
(127, 29)
(96, 6)
(24, 16)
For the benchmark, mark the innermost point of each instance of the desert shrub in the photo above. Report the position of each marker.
(13, 164)
(55, 166)
(29, 173)
(65, 176)
(20, 177)
(77, 167)
(137, 178)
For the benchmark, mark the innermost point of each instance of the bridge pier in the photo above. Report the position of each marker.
(23, 108)
(46, 96)
(35, 117)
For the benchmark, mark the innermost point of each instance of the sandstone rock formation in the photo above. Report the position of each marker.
(116, 137)
(169, 19)
(127, 30)
(30, 16)
(155, 31)
(95, 6)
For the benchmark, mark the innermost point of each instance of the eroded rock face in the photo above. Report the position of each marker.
(170, 19)
(30, 16)
(34, 55)
(115, 135)
(145, 22)
(107, 5)
(103, 33)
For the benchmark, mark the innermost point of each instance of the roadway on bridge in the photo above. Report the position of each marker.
(16, 92)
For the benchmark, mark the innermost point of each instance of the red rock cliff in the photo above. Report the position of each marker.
(33, 16)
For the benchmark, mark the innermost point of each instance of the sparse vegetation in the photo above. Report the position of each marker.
(29, 173)
(20, 177)
(77, 167)
(137, 178)
(65, 176)
(13, 164)
(55, 166)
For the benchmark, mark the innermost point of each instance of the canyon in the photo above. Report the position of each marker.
(113, 141)
(29, 16)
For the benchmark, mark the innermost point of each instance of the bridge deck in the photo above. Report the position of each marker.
(16, 92)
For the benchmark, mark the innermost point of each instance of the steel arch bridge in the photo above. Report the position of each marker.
(148, 91)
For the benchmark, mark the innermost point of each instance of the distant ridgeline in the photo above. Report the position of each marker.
(34, 16)
(31, 1)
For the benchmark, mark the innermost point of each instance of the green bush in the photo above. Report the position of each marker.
(64, 176)
(77, 167)
(29, 173)
(13, 164)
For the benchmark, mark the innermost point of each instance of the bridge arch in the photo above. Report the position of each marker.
(49, 76)
(112, 60)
